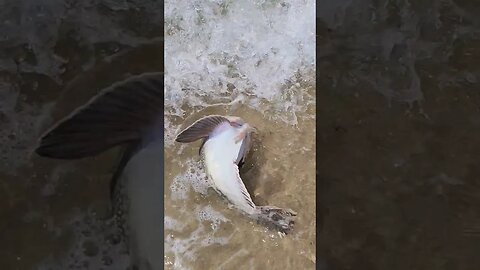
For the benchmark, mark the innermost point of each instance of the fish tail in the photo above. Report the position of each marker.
(281, 219)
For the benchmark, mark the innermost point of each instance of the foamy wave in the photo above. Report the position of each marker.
(208, 214)
(172, 224)
(194, 177)
(257, 52)
(185, 250)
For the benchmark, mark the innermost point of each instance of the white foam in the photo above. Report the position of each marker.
(170, 133)
(221, 52)
(263, 48)
(208, 219)
(193, 177)
(173, 224)
(207, 213)
(186, 249)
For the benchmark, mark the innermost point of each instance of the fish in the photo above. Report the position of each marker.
(226, 141)
(128, 114)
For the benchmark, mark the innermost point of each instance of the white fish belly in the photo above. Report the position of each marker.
(220, 154)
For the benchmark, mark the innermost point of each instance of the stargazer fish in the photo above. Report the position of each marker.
(226, 142)
(130, 114)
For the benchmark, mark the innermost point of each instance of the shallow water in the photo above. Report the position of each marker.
(280, 166)
(398, 124)
(254, 60)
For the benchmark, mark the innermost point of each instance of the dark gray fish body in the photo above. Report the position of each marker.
(227, 140)
(129, 114)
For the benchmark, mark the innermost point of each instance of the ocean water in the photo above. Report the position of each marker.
(397, 130)
(256, 60)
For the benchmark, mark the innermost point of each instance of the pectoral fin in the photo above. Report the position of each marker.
(201, 128)
(128, 111)
(244, 149)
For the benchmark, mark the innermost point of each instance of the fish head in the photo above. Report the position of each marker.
(236, 121)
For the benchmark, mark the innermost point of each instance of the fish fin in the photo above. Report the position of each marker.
(126, 112)
(201, 128)
(201, 146)
(127, 153)
(281, 219)
(243, 189)
(244, 148)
